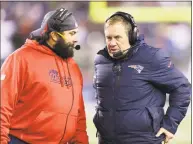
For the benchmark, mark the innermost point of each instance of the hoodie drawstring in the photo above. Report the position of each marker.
(61, 80)
(66, 81)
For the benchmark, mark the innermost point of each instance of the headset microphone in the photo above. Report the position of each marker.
(77, 47)
(119, 53)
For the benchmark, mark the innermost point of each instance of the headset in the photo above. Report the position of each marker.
(133, 33)
(58, 18)
(51, 22)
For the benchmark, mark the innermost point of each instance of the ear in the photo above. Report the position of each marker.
(53, 36)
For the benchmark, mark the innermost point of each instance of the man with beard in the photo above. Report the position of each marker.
(41, 87)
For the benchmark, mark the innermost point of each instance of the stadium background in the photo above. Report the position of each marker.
(164, 25)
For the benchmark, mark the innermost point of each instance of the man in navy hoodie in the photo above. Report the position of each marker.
(131, 81)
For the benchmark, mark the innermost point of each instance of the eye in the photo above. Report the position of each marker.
(108, 37)
(117, 37)
(73, 33)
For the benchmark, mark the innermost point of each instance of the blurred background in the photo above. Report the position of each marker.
(164, 25)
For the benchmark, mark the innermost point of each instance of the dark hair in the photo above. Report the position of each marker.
(40, 39)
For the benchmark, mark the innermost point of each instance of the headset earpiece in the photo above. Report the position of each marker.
(133, 35)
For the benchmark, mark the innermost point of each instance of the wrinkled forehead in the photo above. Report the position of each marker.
(114, 29)
(118, 23)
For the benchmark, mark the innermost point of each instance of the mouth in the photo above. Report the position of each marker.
(72, 46)
(113, 50)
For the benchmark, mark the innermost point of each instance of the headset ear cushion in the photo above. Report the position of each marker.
(130, 37)
(133, 35)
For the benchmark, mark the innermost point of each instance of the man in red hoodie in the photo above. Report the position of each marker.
(41, 87)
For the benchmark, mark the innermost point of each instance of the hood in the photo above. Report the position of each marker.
(42, 48)
(140, 39)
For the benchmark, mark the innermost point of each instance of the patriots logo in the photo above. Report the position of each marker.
(54, 77)
(138, 68)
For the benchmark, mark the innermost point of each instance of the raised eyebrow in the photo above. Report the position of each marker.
(108, 36)
(117, 36)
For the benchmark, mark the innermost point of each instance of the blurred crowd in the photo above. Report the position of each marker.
(18, 19)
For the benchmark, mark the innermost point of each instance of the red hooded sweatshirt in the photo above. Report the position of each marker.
(41, 97)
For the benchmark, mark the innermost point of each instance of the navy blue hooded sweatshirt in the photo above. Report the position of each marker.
(131, 94)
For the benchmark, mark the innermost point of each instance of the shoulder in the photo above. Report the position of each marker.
(23, 52)
(16, 59)
(155, 57)
(146, 53)
(17, 55)
(161, 54)
(161, 59)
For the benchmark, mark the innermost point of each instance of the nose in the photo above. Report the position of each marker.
(112, 42)
(75, 40)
